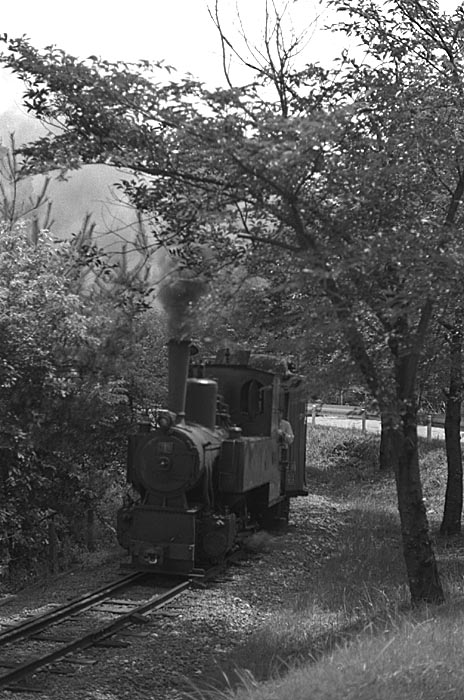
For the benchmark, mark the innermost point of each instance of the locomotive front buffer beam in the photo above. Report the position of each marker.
(173, 540)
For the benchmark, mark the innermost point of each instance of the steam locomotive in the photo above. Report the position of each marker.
(226, 456)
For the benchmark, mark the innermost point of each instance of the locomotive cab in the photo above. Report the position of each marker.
(261, 393)
(262, 464)
(215, 464)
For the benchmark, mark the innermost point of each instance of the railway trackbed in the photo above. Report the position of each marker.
(66, 630)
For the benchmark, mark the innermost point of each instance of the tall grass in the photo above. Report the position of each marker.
(418, 658)
(351, 634)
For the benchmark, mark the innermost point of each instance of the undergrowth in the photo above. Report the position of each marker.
(351, 633)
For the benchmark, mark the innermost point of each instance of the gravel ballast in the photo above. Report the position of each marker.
(189, 643)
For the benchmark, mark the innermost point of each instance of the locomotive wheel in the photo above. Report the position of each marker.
(276, 516)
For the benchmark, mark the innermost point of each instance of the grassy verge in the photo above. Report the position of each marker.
(351, 634)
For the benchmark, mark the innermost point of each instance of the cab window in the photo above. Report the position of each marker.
(251, 398)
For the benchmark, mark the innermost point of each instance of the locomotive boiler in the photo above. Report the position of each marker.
(225, 457)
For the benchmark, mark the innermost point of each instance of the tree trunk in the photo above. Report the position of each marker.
(5, 458)
(91, 546)
(451, 523)
(405, 347)
(91, 509)
(388, 455)
(424, 580)
(421, 566)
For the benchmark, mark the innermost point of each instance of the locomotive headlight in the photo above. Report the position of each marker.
(165, 421)
(164, 463)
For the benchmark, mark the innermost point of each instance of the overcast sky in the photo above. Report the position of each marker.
(178, 31)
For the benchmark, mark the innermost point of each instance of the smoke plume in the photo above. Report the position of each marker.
(178, 295)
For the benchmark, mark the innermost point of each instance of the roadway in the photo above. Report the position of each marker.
(350, 417)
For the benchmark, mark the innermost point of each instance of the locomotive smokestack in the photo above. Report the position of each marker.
(178, 365)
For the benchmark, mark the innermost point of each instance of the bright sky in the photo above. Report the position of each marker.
(179, 31)
(126, 29)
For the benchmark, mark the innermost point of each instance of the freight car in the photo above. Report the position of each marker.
(226, 457)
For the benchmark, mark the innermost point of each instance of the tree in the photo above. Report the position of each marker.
(17, 199)
(266, 312)
(79, 355)
(354, 176)
(440, 391)
(76, 359)
(42, 327)
(452, 512)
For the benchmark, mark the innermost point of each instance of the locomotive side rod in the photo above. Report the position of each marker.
(91, 638)
(24, 629)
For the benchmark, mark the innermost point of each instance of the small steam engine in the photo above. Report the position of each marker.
(220, 461)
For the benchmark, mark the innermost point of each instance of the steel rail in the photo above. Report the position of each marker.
(28, 627)
(91, 638)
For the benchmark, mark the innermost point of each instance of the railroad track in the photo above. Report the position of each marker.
(61, 641)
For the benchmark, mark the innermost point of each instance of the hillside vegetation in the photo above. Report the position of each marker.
(352, 635)
(78, 361)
